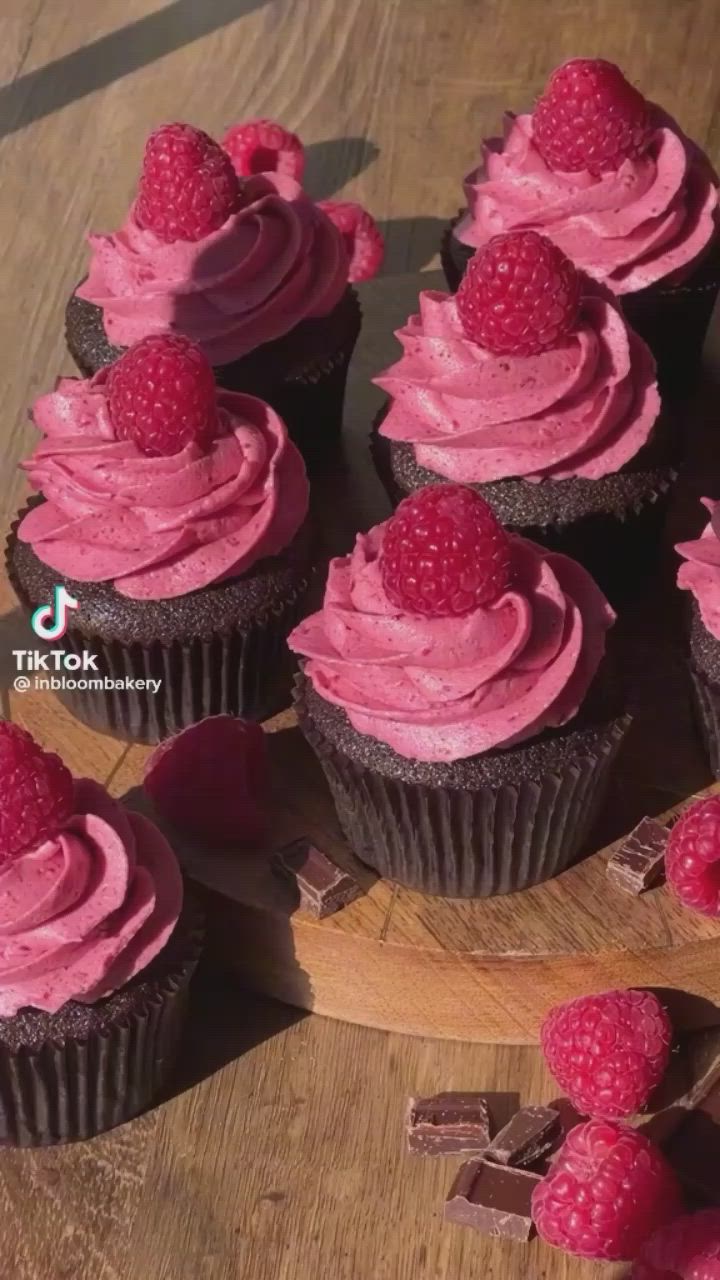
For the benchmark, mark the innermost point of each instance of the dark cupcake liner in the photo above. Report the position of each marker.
(454, 255)
(672, 319)
(237, 667)
(71, 1089)
(706, 704)
(459, 843)
(244, 673)
(618, 547)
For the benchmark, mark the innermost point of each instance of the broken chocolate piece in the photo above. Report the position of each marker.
(323, 887)
(493, 1199)
(526, 1138)
(639, 861)
(448, 1124)
(703, 1063)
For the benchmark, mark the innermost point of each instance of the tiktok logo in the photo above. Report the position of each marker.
(50, 621)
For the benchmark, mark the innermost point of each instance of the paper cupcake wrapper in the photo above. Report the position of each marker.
(466, 844)
(241, 673)
(706, 702)
(617, 550)
(70, 1090)
(454, 256)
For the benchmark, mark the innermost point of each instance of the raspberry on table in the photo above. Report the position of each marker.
(212, 779)
(37, 792)
(589, 117)
(162, 395)
(692, 860)
(520, 294)
(607, 1191)
(608, 1051)
(686, 1249)
(444, 553)
(188, 187)
(363, 238)
(264, 146)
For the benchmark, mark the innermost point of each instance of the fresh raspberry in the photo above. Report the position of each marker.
(211, 780)
(363, 238)
(263, 146)
(520, 295)
(692, 860)
(162, 395)
(687, 1249)
(188, 186)
(589, 117)
(444, 553)
(608, 1052)
(36, 795)
(608, 1189)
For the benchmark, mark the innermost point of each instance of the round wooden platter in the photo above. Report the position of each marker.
(484, 971)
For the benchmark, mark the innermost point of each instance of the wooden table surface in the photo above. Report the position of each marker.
(280, 1156)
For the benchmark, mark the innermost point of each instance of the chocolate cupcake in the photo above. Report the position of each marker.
(250, 269)
(543, 400)
(624, 193)
(455, 693)
(177, 523)
(97, 949)
(700, 575)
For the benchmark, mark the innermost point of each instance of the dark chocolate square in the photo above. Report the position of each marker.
(493, 1199)
(323, 887)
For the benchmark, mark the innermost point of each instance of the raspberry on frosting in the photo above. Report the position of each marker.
(162, 396)
(86, 908)
(608, 1051)
(445, 688)
(159, 526)
(583, 408)
(519, 296)
(590, 118)
(608, 1189)
(444, 553)
(276, 261)
(649, 219)
(264, 146)
(188, 187)
(36, 793)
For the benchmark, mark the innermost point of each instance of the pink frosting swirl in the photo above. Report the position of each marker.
(82, 913)
(651, 219)
(443, 689)
(583, 408)
(159, 527)
(701, 572)
(276, 261)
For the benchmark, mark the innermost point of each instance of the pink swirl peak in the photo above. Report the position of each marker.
(651, 219)
(583, 408)
(158, 527)
(700, 573)
(276, 261)
(442, 689)
(83, 912)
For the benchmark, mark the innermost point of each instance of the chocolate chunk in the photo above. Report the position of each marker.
(323, 887)
(493, 1199)
(639, 861)
(529, 1136)
(694, 1149)
(448, 1124)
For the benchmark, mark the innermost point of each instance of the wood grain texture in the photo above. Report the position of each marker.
(284, 1162)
